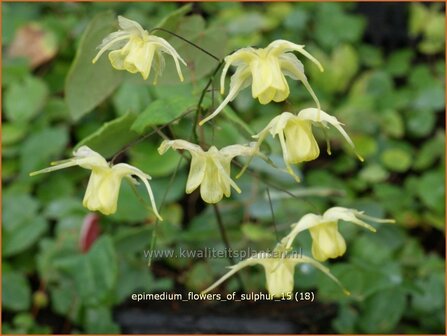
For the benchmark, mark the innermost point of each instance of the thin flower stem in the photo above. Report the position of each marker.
(187, 41)
(200, 139)
(202, 96)
(223, 235)
(168, 188)
(273, 213)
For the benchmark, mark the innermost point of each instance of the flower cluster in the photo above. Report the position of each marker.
(105, 180)
(327, 242)
(136, 50)
(211, 169)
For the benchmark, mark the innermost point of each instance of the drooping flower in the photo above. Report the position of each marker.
(135, 50)
(298, 143)
(105, 180)
(210, 169)
(327, 242)
(279, 271)
(265, 70)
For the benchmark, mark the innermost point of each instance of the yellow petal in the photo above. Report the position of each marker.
(140, 57)
(279, 276)
(300, 142)
(322, 117)
(124, 170)
(239, 81)
(116, 58)
(293, 68)
(102, 191)
(281, 95)
(196, 172)
(112, 41)
(210, 189)
(262, 77)
(163, 46)
(240, 58)
(108, 192)
(234, 269)
(130, 26)
(83, 157)
(286, 156)
(306, 222)
(281, 46)
(327, 242)
(266, 96)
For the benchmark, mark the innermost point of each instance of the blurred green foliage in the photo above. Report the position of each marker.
(390, 100)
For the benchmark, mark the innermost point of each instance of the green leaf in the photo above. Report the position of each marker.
(365, 145)
(14, 69)
(17, 209)
(64, 299)
(171, 21)
(383, 310)
(58, 186)
(344, 66)
(95, 273)
(16, 291)
(373, 173)
(431, 190)
(25, 100)
(12, 133)
(430, 97)
(51, 252)
(42, 147)
(392, 197)
(199, 277)
(130, 207)
(370, 249)
(430, 152)
(112, 136)
(392, 123)
(419, 16)
(133, 240)
(398, 64)
(346, 319)
(336, 26)
(23, 236)
(361, 279)
(420, 122)
(146, 156)
(430, 296)
(63, 207)
(87, 84)
(98, 320)
(397, 159)
(131, 97)
(256, 232)
(163, 111)
(212, 39)
(233, 117)
(136, 277)
(170, 230)
(370, 55)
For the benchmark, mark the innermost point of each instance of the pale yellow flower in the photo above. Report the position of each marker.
(279, 271)
(135, 50)
(210, 169)
(105, 180)
(327, 242)
(265, 70)
(295, 135)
